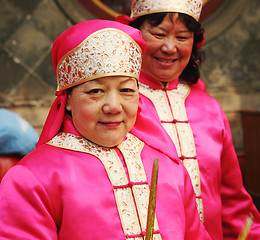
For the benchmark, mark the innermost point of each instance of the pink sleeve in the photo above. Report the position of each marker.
(195, 229)
(25, 210)
(236, 202)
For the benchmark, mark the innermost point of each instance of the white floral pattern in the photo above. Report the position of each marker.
(170, 107)
(143, 7)
(105, 52)
(131, 152)
(132, 200)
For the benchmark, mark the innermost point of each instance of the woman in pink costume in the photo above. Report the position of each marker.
(88, 177)
(174, 100)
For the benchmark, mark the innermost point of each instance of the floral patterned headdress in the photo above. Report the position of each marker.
(144, 7)
(86, 51)
(94, 49)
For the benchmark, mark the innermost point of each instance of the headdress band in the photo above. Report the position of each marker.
(144, 7)
(104, 53)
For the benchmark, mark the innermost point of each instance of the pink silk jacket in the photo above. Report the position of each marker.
(70, 188)
(190, 123)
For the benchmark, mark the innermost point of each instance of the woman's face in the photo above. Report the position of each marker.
(104, 110)
(169, 47)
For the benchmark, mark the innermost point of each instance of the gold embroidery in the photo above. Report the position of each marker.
(105, 52)
(170, 106)
(126, 198)
(131, 152)
(190, 7)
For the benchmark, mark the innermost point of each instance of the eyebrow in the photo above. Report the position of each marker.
(162, 28)
(129, 79)
(185, 30)
(180, 31)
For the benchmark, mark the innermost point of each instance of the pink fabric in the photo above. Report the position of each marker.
(73, 36)
(55, 118)
(226, 202)
(148, 127)
(57, 193)
(64, 43)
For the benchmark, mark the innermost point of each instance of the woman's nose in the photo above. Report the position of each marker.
(169, 46)
(112, 104)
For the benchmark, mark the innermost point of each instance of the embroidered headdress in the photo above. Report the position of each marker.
(93, 52)
(90, 50)
(144, 7)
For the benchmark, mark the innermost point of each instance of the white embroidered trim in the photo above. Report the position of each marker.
(180, 131)
(131, 149)
(108, 51)
(131, 152)
(143, 7)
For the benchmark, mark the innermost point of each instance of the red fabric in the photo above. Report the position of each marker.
(201, 43)
(55, 118)
(124, 19)
(6, 162)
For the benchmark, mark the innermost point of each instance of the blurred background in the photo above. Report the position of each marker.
(231, 70)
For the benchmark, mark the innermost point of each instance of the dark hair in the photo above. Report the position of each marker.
(191, 72)
(69, 91)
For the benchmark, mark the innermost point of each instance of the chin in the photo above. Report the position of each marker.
(168, 77)
(111, 143)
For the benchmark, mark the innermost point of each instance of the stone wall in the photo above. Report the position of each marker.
(232, 67)
(28, 29)
(27, 82)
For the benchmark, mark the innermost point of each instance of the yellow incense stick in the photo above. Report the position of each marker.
(246, 228)
(152, 201)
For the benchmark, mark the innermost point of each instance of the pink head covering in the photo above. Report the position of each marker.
(89, 50)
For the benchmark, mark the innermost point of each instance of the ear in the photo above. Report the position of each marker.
(68, 103)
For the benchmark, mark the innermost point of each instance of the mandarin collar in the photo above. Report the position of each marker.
(154, 84)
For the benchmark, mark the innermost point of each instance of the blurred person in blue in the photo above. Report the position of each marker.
(17, 138)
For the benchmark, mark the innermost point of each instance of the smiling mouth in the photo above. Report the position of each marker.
(111, 124)
(164, 60)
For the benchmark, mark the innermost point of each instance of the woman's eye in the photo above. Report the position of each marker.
(159, 34)
(126, 90)
(182, 37)
(94, 91)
